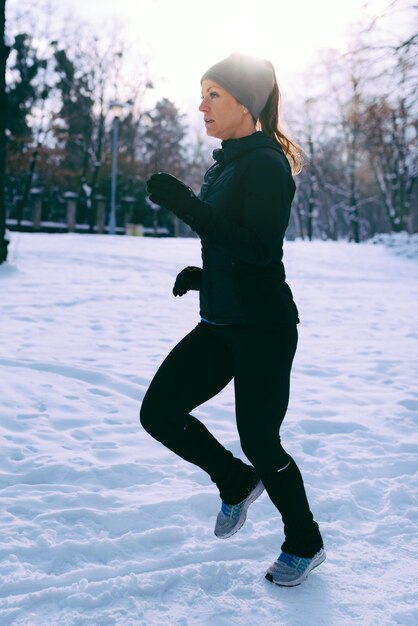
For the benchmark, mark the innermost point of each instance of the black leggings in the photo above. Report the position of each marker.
(259, 360)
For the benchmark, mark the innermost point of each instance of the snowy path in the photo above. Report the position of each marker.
(101, 526)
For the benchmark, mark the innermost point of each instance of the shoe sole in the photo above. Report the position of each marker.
(256, 492)
(320, 558)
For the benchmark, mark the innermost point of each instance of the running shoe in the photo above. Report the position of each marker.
(232, 516)
(290, 570)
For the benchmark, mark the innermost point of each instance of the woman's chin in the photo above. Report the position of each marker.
(211, 132)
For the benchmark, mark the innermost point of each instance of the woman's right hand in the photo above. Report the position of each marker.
(188, 279)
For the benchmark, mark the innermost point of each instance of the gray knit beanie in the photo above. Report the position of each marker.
(250, 80)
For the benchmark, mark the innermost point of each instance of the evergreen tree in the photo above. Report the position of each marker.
(73, 124)
(23, 93)
(163, 139)
(164, 149)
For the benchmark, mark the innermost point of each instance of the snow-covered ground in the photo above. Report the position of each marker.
(402, 244)
(101, 526)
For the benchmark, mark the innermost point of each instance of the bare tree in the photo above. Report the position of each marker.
(391, 115)
(393, 153)
(359, 129)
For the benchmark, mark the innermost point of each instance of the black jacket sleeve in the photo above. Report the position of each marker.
(268, 190)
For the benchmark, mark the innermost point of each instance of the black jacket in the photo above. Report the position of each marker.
(247, 194)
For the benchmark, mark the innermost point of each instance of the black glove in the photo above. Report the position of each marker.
(169, 192)
(188, 279)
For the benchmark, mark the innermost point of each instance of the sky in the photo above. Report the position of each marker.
(179, 40)
(182, 39)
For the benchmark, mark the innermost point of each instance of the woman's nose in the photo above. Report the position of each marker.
(203, 106)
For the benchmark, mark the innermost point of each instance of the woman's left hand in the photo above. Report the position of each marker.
(188, 279)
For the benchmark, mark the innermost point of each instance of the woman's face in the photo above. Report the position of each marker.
(224, 116)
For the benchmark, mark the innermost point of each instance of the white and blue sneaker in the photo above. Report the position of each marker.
(290, 570)
(232, 516)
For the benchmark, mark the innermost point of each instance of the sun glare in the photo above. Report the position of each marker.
(191, 37)
(184, 38)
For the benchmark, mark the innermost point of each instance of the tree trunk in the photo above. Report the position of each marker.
(23, 202)
(4, 53)
(312, 189)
